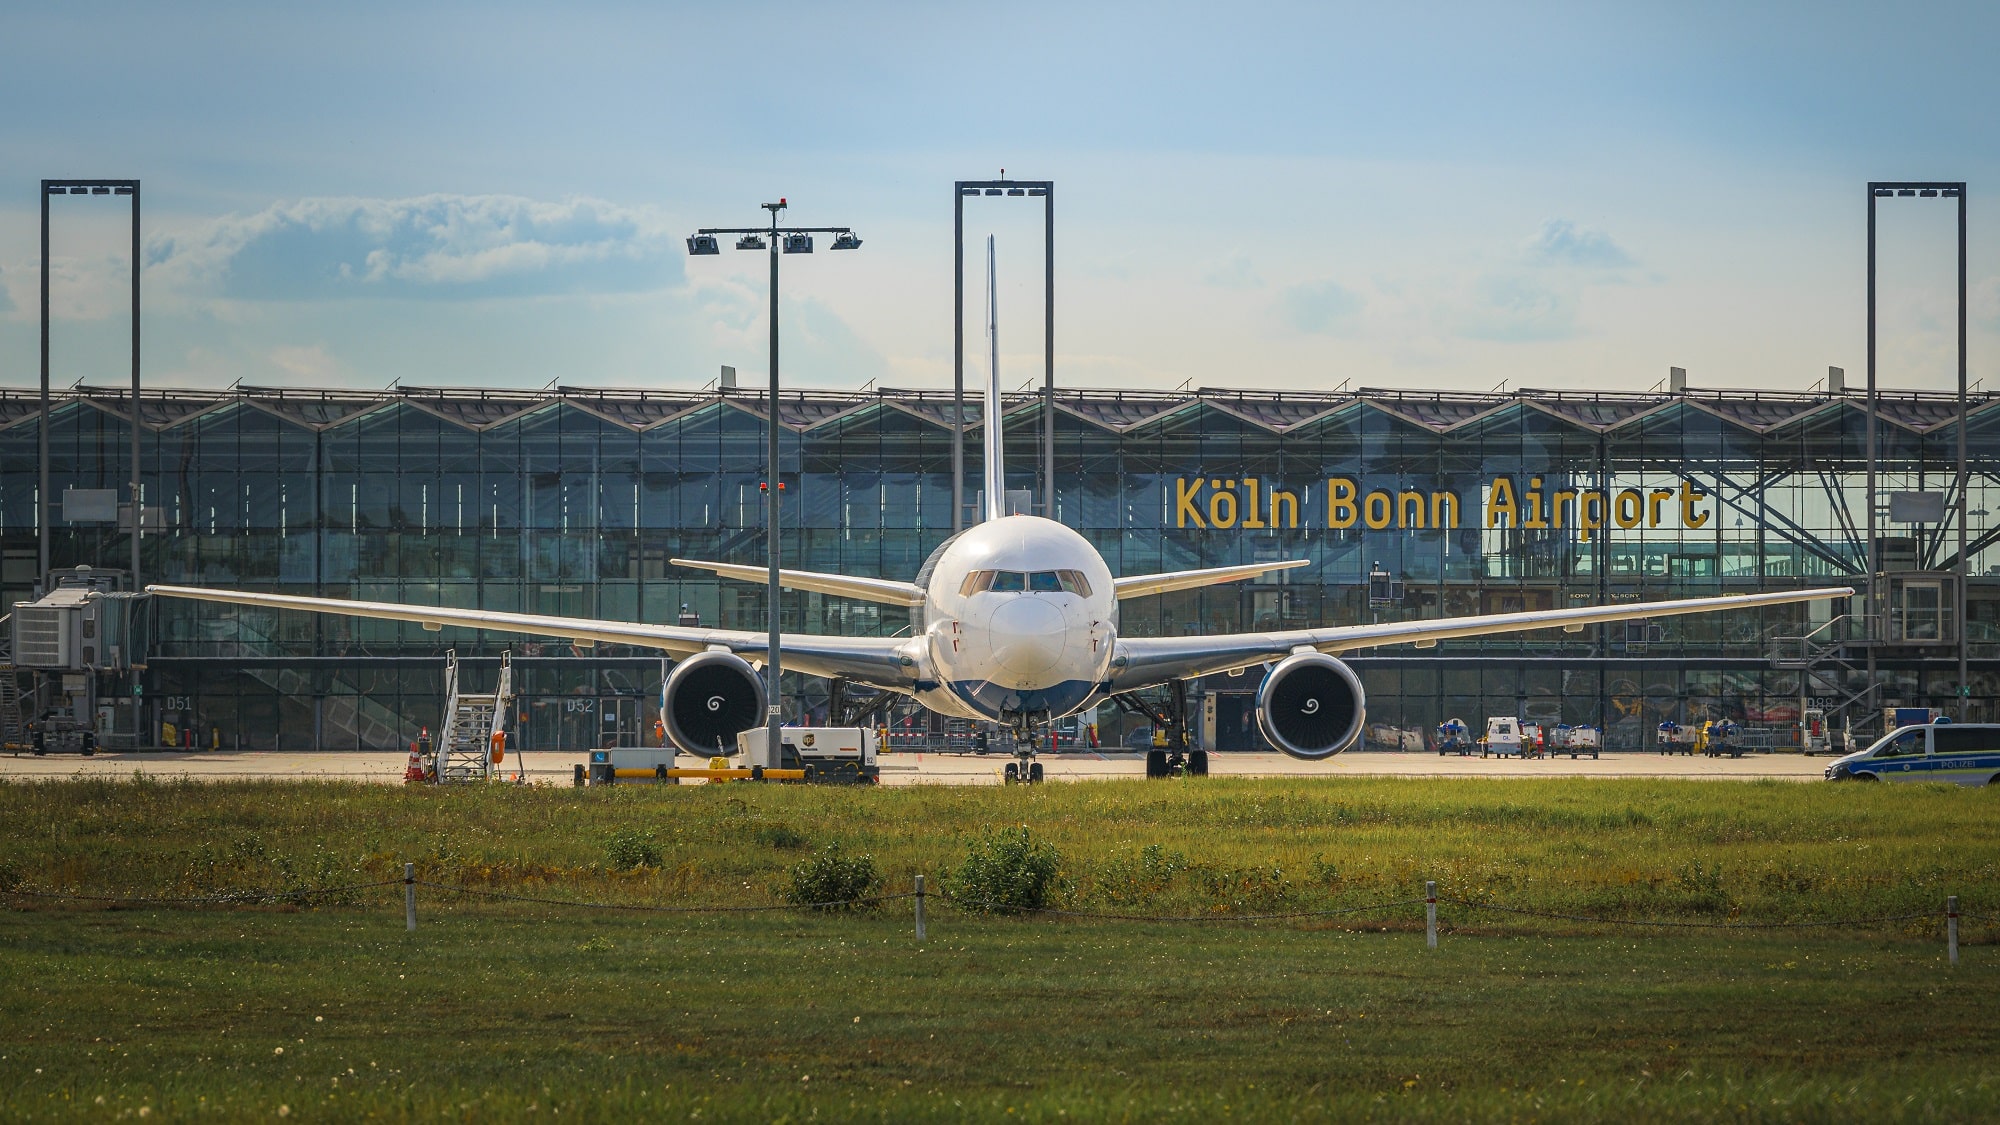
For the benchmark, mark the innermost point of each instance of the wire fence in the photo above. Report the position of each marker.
(1951, 916)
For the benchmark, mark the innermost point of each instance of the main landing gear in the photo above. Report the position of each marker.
(1165, 763)
(1172, 755)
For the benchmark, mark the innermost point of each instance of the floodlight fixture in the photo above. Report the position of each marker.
(1017, 191)
(751, 242)
(702, 244)
(846, 241)
(1884, 193)
(79, 191)
(1928, 193)
(968, 191)
(1038, 191)
(1906, 191)
(798, 244)
(121, 191)
(993, 191)
(1951, 193)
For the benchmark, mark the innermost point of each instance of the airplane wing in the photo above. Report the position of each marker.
(866, 589)
(1139, 585)
(1146, 661)
(875, 661)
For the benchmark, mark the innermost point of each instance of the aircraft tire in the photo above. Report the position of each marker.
(1035, 773)
(1013, 773)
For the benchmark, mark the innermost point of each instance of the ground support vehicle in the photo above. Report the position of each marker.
(1673, 738)
(1960, 753)
(1576, 740)
(1719, 738)
(1502, 738)
(1454, 738)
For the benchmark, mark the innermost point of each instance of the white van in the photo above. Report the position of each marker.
(1964, 753)
(1503, 737)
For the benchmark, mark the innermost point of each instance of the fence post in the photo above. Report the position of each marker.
(920, 908)
(1431, 913)
(410, 896)
(1951, 928)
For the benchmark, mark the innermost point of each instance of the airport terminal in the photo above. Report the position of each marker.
(1407, 504)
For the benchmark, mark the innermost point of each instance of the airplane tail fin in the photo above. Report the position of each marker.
(996, 475)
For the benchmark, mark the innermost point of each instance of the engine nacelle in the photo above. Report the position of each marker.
(1311, 706)
(709, 699)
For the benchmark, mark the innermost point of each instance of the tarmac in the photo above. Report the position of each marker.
(553, 768)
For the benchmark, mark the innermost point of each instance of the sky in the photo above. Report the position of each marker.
(1449, 197)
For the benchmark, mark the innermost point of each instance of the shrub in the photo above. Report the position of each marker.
(1007, 870)
(629, 848)
(780, 836)
(832, 880)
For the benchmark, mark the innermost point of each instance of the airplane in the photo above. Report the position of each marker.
(1014, 620)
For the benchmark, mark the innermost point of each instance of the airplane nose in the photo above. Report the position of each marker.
(1028, 635)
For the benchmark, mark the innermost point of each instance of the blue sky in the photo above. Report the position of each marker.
(1251, 195)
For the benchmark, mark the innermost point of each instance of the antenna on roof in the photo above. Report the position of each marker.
(1501, 389)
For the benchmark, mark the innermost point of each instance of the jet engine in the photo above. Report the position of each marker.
(709, 699)
(1311, 706)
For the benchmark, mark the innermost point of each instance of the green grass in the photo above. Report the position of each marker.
(1701, 851)
(502, 1010)
(484, 1014)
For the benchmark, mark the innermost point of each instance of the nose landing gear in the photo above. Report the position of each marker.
(1024, 769)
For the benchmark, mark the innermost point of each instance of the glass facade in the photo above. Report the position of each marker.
(571, 502)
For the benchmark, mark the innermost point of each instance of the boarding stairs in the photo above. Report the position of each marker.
(13, 730)
(465, 750)
(1828, 669)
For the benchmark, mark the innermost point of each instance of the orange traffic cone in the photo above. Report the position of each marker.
(414, 772)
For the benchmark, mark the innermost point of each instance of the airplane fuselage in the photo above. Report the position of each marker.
(1020, 619)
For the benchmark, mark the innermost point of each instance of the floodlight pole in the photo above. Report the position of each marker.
(1921, 189)
(960, 191)
(773, 485)
(43, 497)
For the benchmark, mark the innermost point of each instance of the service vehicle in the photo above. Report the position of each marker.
(1503, 737)
(1961, 753)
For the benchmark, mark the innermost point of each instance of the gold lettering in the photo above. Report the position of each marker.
(1251, 508)
(1533, 503)
(1217, 500)
(1630, 509)
(1444, 509)
(1690, 494)
(1377, 510)
(1589, 512)
(1409, 509)
(1500, 502)
(1185, 508)
(1557, 506)
(1340, 509)
(1653, 499)
(1291, 508)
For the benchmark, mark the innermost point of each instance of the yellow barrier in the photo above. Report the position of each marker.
(715, 775)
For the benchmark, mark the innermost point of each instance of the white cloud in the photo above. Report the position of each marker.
(435, 246)
(1983, 303)
(1511, 308)
(305, 361)
(1324, 307)
(1563, 243)
(1236, 273)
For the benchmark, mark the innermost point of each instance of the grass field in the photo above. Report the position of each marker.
(508, 1009)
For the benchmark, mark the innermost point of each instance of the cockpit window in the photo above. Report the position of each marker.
(1014, 581)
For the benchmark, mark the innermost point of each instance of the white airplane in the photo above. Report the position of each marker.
(1014, 620)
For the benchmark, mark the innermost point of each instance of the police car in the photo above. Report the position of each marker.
(1964, 753)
